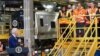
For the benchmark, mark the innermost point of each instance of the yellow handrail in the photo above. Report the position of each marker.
(56, 49)
(93, 48)
(95, 30)
(67, 51)
(59, 39)
(60, 49)
(86, 42)
(64, 40)
(84, 37)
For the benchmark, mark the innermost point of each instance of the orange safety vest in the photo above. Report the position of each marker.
(78, 15)
(92, 10)
(91, 13)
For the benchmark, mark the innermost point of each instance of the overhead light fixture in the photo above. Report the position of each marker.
(21, 7)
(49, 6)
(36, 8)
(4, 5)
(59, 7)
(47, 50)
(73, 1)
(36, 52)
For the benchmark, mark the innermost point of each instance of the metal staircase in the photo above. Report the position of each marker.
(70, 45)
(84, 45)
(62, 41)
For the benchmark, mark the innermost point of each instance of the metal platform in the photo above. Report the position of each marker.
(68, 44)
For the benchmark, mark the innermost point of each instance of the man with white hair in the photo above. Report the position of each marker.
(13, 41)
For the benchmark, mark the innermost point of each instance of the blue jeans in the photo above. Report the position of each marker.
(80, 30)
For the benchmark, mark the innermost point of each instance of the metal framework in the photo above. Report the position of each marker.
(71, 45)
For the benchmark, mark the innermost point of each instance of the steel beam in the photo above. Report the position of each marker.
(28, 25)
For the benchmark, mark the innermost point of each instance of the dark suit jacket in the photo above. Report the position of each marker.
(13, 42)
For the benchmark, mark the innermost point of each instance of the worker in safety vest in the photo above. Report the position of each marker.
(69, 11)
(91, 11)
(63, 12)
(63, 20)
(80, 18)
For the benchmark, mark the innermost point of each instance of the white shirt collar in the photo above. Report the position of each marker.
(14, 35)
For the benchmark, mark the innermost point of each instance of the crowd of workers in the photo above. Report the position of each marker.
(81, 15)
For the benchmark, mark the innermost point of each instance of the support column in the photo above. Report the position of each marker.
(28, 25)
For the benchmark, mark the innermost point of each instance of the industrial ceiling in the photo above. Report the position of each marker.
(16, 4)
